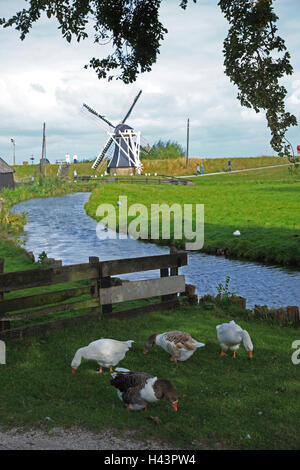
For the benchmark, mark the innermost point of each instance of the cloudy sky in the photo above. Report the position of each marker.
(43, 79)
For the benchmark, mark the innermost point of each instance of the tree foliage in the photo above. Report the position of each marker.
(164, 150)
(255, 57)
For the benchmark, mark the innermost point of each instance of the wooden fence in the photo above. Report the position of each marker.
(138, 180)
(96, 290)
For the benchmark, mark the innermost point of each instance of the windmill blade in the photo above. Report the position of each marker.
(102, 154)
(145, 145)
(91, 110)
(132, 106)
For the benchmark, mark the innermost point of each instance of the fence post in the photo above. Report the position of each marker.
(95, 284)
(173, 272)
(164, 272)
(104, 283)
(4, 324)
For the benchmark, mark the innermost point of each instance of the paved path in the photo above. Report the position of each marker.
(234, 171)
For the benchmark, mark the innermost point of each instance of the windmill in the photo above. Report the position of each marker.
(125, 153)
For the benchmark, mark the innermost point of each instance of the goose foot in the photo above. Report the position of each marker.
(234, 354)
(100, 370)
(174, 359)
(223, 353)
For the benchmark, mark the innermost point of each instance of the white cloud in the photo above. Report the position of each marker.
(43, 80)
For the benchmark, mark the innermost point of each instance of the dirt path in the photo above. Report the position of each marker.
(78, 439)
(74, 439)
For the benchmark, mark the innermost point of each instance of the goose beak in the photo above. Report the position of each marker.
(73, 370)
(175, 405)
(250, 354)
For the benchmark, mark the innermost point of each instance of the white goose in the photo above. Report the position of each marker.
(179, 344)
(230, 336)
(137, 389)
(107, 352)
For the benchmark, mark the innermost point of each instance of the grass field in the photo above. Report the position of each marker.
(263, 205)
(239, 403)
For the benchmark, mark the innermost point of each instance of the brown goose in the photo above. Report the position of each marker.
(137, 389)
(179, 344)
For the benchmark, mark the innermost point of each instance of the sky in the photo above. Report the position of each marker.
(43, 80)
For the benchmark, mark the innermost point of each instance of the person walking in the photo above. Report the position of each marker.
(229, 165)
(198, 170)
(75, 176)
(74, 158)
(67, 159)
(202, 169)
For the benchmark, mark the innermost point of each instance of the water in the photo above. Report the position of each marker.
(60, 227)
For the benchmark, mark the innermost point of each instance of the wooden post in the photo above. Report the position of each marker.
(95, 284)
(164, 272)
(105, 282)
(173, 272)
(4, 324)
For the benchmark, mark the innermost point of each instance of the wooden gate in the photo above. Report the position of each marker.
(93, 288)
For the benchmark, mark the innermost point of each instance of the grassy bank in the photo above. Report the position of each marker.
(262, 205)
(12, 224)
(42, 187)
(176, 167)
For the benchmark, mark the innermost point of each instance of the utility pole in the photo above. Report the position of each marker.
(44, 165)
(14, 144)
(187, 142)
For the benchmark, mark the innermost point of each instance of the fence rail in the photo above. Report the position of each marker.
(138, 180)
(97, 292)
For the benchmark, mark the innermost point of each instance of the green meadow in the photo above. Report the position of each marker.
(235, 403)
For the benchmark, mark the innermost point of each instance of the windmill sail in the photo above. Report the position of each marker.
(102, 153)
(91, 110)
(132, 106)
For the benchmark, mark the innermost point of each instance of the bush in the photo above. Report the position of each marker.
(164, 150)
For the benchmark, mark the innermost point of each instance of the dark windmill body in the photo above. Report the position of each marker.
(125, 159)
(6, 175)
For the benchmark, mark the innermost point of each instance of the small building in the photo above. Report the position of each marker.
(6, 175)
